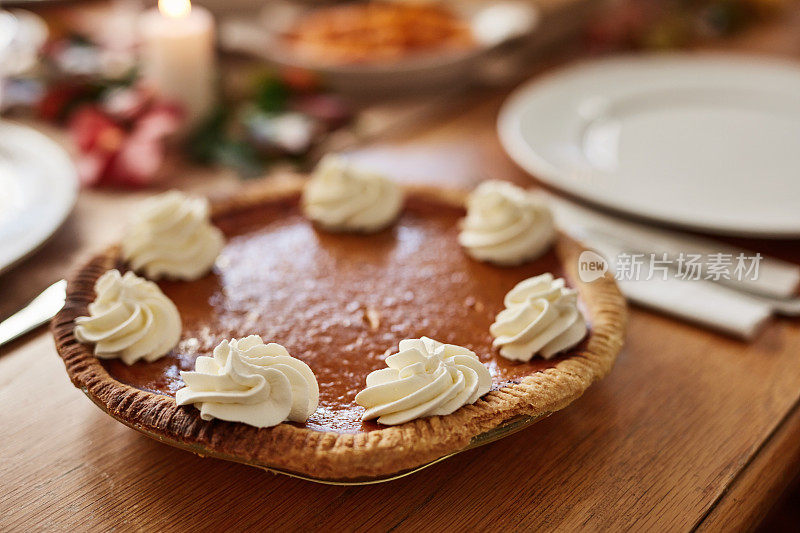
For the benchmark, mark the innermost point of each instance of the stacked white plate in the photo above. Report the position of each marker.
(709, 142)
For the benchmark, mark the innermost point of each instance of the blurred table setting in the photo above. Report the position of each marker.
(663, 136)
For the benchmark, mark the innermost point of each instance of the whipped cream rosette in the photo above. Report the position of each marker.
(173, 237)
(250, 382)
(425, 378)
(340, 197)
(541, 318)
(505, 224)
(130, 319)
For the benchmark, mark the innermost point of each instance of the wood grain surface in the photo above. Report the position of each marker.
(690, 430)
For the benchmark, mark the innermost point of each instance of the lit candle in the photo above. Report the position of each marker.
(177, 55)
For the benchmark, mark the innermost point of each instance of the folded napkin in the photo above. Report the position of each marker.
(707, 303)
(701, 302)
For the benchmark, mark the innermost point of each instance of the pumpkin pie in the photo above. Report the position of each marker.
(342, 302)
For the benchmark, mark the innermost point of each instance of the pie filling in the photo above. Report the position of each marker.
(341, 302)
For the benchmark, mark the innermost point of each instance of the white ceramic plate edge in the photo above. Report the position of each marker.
(509, 123)
(61, 174)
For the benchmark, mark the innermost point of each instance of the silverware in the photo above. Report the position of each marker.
(40, 310)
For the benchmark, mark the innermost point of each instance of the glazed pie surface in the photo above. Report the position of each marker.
(341, 303)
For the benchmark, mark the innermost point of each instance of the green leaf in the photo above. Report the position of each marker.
(239, 156)
(271, 95)
(212, 143)
(202, 143)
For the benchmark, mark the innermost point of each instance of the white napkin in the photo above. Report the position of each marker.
(701, 302)
(705, 303)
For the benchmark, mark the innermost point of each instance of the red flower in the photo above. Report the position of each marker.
(58, 100)
(121, 142)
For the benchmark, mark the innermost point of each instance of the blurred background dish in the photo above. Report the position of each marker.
(706, 142)
(38, 188)
(380, 47)
(376, 33)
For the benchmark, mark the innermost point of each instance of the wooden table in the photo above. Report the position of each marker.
(691, 430)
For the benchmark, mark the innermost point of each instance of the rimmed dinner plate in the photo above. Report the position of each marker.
(709, 142)
(38, 189)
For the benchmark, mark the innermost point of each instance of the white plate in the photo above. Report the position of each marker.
(708, 142)
(38, 188)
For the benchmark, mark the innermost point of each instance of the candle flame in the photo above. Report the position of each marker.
(175, 8)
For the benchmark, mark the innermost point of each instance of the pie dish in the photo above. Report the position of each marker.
(340, 303)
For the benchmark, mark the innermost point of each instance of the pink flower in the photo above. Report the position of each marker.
(122, 141)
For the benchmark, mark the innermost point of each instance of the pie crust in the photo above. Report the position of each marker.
(345, 456)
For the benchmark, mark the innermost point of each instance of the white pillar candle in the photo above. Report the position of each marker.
(177, 55)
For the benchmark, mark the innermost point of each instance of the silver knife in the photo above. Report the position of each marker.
(40, 310)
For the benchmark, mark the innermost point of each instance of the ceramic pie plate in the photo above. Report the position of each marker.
(334, 446)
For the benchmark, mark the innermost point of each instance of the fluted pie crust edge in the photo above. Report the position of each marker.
(342, 456)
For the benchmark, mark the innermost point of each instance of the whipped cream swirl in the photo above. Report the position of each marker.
(250, 382)
(541, 317)
(425, 378)
(173, 237)
(505, 225)
(130, 319)
(341, 198)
